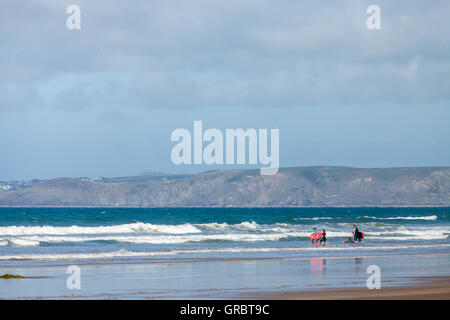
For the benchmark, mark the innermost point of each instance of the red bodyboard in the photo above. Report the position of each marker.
(315, 236)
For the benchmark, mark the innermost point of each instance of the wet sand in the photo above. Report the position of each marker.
(402, 277)
(432, 288)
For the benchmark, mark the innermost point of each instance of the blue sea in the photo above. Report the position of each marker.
(92, 235)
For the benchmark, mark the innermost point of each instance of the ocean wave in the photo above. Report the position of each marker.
(397, 234)
(137, 227)
(19, 243)
(315, 218)
(430, 218)
(215, 226)
(418, 233)
(81, 256)
(157, 239)
(247, 231)
(125, 253)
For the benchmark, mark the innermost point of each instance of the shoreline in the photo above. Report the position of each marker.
(241, 279)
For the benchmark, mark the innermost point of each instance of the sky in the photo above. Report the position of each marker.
(104, 100)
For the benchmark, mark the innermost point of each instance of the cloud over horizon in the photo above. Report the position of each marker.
(172, 62)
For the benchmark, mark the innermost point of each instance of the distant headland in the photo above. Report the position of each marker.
(316, 186)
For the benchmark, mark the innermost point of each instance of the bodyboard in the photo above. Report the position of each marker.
(315, 236)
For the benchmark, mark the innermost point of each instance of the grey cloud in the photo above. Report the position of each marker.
(206, 53)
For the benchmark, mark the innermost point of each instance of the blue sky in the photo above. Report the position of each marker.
(103, 100)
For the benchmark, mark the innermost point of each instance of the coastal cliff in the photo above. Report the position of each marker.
(296, 187)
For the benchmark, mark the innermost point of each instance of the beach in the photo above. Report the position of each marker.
(431, 288)
(223, 253)
(402, 277)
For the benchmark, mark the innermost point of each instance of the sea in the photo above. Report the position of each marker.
(49, 236)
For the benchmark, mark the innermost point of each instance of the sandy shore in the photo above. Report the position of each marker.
(337, 278)
(432, 288)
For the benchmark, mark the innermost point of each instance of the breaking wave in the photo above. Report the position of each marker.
(138, 227)
(430, 218)
(315, 218)
(247, 231)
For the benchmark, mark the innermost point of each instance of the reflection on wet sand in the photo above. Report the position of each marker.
(317, 266)
(358, 265)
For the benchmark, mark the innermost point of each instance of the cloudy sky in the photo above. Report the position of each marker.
(103, 100)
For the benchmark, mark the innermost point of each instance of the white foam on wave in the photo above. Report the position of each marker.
(81, 256)
(288, 229)
(315, 218)
(19, 242)
(248, 225)
(417, 233)
(244, 233)
(433, 217)
(247, 231)
(215, 226)
(137, 227)
(122, 253)
(162, 239)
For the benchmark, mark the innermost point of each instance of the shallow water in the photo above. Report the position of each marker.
(218, 278)
(33, 235)
(214, 253)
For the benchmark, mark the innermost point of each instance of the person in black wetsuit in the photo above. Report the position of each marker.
(356, 234)
(324, 237)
